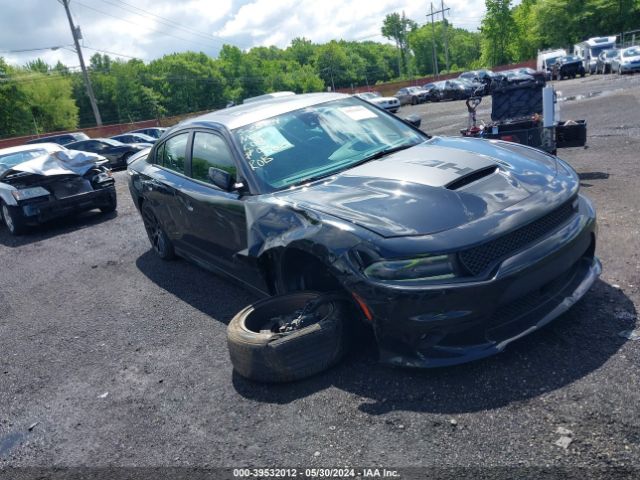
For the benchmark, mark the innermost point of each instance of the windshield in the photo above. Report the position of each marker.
(595, 51)
(12, 159)
(367, 95)
(611, 53)
(632, 52)
(318, 141)
(552, 60)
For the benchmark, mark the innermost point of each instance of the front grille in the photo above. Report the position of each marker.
(477, 259)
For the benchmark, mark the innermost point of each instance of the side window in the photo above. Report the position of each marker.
(174, 152)
(210, 150)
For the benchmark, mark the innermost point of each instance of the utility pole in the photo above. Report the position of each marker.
(75, 31)
(444, 31)
(433, 43)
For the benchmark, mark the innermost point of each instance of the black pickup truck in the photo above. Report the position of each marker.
(568, 66)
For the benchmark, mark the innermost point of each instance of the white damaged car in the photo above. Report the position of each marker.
(391, 104)
(45, 181)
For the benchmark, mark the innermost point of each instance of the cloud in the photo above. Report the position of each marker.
(148, 29)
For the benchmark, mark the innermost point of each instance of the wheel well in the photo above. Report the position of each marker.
(298, 270)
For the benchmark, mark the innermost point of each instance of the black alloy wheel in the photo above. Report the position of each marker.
(157, 237)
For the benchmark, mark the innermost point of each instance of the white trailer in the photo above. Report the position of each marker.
(591, 48)
(546, 59)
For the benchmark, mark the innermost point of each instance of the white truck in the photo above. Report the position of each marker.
(546, 59)
(591, 48)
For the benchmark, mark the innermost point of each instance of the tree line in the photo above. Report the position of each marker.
(38, 98)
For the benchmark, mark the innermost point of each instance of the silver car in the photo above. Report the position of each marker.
(391, 104)
(627, 61)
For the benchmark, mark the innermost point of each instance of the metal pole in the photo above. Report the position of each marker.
(446, 38)
(433, 43)
(87, 81)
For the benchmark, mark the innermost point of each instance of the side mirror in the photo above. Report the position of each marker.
(414, 120)
(221, 179)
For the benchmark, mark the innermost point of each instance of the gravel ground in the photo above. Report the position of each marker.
(111, 357)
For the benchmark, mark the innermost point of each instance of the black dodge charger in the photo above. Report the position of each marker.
(450, 247)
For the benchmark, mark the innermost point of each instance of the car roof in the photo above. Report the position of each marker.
(49, 147)
(241, 115)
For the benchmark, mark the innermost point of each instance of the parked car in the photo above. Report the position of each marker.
(435, 91)
(626, 61)
(116, 152)
(46, 181)
(411, 95)
(61, 139)
(516, 77)
(568, 66)
(450, 248)
(455, 90)
(155, 132)
(547, 58)
(472, 88)
(603, 62)
(392, 104)
(134, 138)
(481, 84)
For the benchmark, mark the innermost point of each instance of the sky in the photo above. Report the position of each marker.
(149, 29)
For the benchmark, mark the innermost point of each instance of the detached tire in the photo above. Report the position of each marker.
(273, 357)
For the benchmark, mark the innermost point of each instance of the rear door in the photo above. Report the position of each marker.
(163, 179)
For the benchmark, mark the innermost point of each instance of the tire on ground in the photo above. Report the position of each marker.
(112, 205)
(272, 357)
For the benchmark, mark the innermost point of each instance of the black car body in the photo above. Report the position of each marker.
(61, 139)
(155, 132)
(568, 66)
(451, 247)
(434, 91)
(456, 90)
(134, 138)
(43, 182)
(116, 152)
(480, 80)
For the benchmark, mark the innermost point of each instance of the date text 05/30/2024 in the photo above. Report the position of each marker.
(286, 473)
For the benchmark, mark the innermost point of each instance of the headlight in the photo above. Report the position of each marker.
(27, 193)
(437, 267)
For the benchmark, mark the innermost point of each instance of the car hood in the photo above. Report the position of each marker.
(435, 186)
(384, 99)
(63, 162)
(632, 59)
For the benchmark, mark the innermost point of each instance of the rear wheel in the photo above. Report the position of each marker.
(157, 237)
(13, 219)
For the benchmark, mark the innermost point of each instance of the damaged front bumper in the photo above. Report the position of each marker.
(42, 209)
(449, 324)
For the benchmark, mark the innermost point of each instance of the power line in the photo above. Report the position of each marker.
(139, 26)
(101, 50)
(24, 50)
(165, 21)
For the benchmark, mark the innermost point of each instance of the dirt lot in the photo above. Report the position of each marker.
(108, 356)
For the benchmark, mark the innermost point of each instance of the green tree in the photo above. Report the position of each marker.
(397, 28)
(498, 28)
(332, 64)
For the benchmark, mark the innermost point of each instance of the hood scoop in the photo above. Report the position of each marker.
(472, 177)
